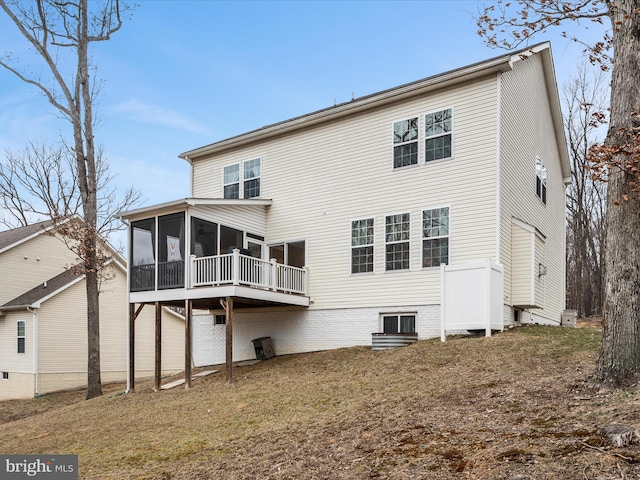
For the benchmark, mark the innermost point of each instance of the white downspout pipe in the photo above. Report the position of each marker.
(34, 312)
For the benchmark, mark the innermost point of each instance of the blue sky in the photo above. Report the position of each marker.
(181, 74)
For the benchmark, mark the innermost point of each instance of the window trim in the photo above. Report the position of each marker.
(372, 245)
(423, 238)
(425, 137)
(242, 178)
(408, 241)
(394, 144)
(413, 314)
(541, 179)
(21, 337)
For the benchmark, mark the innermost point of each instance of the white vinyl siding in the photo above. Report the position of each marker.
(320, 203)
(32, 263)
(526, 131)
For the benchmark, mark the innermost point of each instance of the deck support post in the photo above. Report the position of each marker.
(228, 307)
(187, 344)
(158, 362)
(133, 315)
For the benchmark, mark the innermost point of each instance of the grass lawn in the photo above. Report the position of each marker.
(514, 406)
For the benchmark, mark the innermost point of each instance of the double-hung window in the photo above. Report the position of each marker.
(22, 336)
(541, 181)
(435, 237)
(242, 180)
(405, 143)
(397, 235)
(362, 245)
(403, 323)
(437, 134)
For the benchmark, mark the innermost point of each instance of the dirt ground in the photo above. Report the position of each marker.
(516, 406)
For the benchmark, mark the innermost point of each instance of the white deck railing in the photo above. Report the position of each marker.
(237, 269)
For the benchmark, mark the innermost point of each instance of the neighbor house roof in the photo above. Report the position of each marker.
(10, 238)
(37, 295)
(494, 65)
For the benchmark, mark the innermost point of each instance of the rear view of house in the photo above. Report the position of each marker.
(430, 207)
(43, 326)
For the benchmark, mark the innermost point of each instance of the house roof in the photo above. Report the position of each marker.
(494, 65)
(181, 204)
(43, 291)
(15, 236)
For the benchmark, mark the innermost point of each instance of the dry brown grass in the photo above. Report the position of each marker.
(514, 406)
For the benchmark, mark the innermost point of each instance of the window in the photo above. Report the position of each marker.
(437, 134)
(5, 375)
(22, 336)
(220, 319)
(405, 143)
(435, 237)
(541, 181)
(242, 182)
(252, 178)
(399, 323)
(289, 253)
(232, 181)
(397, 242)
(362, 246)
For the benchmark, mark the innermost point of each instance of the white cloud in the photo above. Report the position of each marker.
(154, 114)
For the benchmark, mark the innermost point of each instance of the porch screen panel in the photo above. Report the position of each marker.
(143, 261)
(230, 238)
(204, 238)
(171, 251)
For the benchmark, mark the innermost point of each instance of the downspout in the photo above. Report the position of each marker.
(34, 312)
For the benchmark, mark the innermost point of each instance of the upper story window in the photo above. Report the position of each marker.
(362, 246)
(435, 237)
(22, 336)
(437, 134)
(397, 234)
(405, 143)
(541, 181)
(242, 180)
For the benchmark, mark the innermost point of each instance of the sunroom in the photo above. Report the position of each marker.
(203, 248)
(208, 254)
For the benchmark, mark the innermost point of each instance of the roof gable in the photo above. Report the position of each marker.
(16, 236)
(44, 290)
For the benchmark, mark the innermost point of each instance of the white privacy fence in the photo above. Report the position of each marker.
(472, 297)
(237, 269)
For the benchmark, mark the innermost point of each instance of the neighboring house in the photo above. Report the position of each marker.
(43, 319)
(436, 205)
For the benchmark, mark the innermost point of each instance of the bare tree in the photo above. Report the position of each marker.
(60, 33)
(512, 23)
(41, 182)
(584, 96)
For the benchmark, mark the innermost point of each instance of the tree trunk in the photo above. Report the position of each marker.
(619, 361)
(88, 191)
